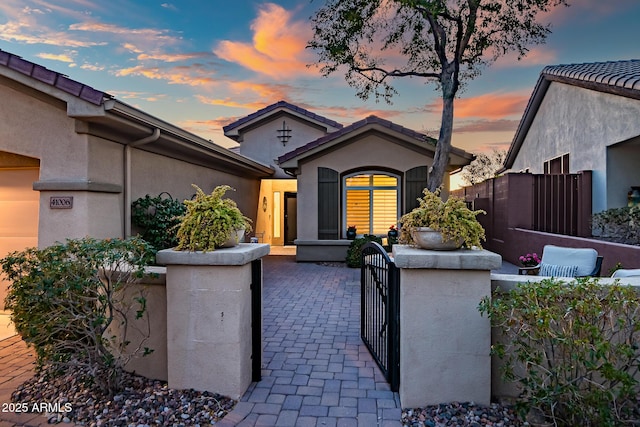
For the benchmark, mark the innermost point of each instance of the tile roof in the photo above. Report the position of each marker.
(616, 73)
(352, 127)
(52, 78)
(281, 104)
(620, 78)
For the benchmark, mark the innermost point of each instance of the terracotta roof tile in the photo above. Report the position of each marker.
(52, 78)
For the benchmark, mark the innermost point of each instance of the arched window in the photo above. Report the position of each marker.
(371, 201)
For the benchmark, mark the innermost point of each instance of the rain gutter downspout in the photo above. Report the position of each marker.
(127, 176)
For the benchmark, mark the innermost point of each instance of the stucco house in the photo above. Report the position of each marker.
(329, 177)
(73, 158)
(584, 117)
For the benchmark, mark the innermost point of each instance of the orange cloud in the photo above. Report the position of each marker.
(538, 55)
(278, 47)
(491, 105)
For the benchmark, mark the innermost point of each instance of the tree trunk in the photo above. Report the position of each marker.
(443, 147)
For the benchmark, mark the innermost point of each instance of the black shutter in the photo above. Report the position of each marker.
(328, 203)
(415, 182)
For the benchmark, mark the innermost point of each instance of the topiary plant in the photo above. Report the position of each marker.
(451, 217)
(210, 221)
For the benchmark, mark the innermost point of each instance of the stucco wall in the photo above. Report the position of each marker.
(153, 174)
(262, 143)
(583, 123)
(369, 153)
(34, 128)
(80, 165)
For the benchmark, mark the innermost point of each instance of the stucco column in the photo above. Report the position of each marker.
(209, 318)
(444, 341)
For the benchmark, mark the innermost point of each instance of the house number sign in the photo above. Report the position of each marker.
(61, 202)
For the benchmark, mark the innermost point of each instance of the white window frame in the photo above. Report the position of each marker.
(344, 187)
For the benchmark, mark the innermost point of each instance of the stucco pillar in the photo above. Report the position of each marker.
(209, 318)
(444, 341)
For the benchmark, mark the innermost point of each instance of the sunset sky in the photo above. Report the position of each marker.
(201, 64)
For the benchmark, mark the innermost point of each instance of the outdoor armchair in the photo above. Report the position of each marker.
(561, 261)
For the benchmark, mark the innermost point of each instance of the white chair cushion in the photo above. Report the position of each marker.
(558, 270)
(584, 258)
(626, 273)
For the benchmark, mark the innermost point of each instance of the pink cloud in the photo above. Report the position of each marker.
(278, 46)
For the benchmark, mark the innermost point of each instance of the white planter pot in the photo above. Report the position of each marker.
(236, 238)
(428, 238)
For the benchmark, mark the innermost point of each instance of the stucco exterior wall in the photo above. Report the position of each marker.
(152, 174)
(371, 153)
(75, 163)
(262, 143)
(35, 128)
(583, 123)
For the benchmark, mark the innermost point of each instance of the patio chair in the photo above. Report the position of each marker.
(560, 261)
(626, 272)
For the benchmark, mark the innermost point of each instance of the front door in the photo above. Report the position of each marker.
(290, 217)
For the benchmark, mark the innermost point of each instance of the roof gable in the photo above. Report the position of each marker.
(621, 78)
(372, 122)
(234, 129)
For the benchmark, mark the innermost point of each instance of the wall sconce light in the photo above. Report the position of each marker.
(284, 134)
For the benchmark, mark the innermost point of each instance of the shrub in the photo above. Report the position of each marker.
(66, 301)
(158, 218)
(354, 253)
(621, 225)
(572, 347)
(210, 221)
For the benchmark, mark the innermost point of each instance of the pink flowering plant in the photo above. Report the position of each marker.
(530, 260)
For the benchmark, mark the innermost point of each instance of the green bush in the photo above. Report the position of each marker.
(67, 302)
(620, 225)
(354, 253)
(158, 219)
(572, 347)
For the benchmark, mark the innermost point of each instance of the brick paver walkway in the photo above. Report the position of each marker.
(317, 371)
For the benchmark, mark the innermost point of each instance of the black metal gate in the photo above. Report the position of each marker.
(256, 320)
(380, 310)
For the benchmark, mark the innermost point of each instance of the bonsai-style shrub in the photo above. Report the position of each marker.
(158, 219)
(573, 348)
(210, 221)
(451, 217)
(67, 301)
(354, 253)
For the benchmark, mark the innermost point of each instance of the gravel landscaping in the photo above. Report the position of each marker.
(461, 414)
(143, 402)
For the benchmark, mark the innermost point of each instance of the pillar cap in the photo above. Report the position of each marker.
(460, 259)
(242, 254)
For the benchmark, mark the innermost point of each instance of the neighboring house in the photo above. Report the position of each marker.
(584, 117)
